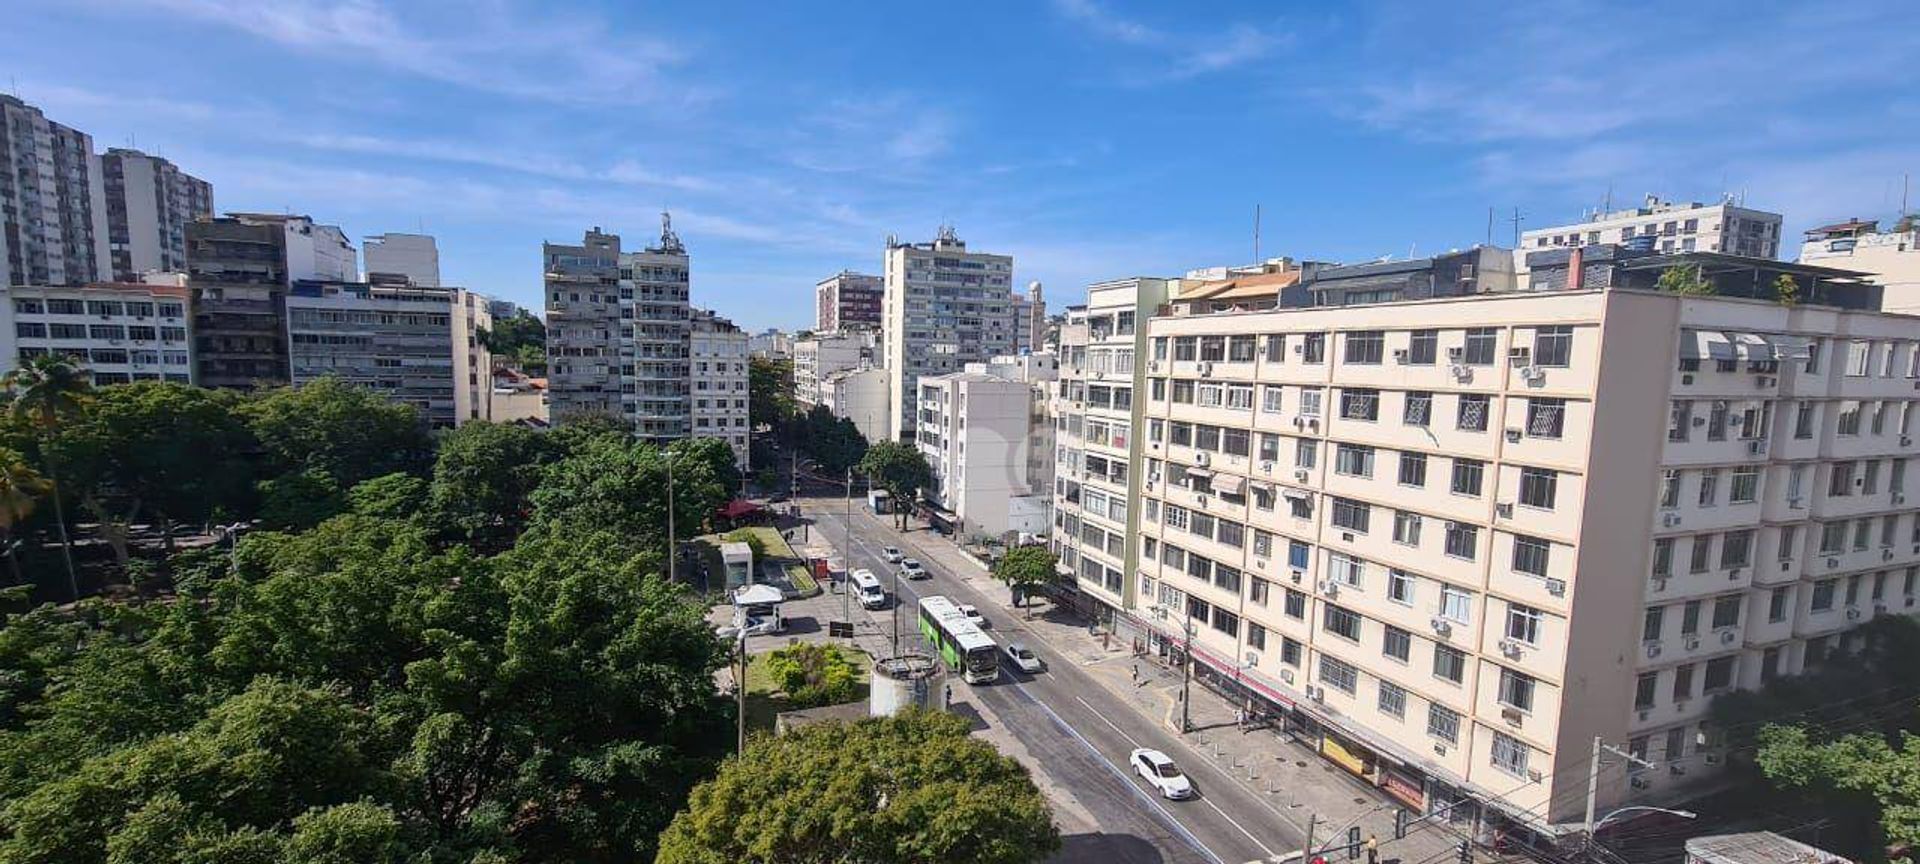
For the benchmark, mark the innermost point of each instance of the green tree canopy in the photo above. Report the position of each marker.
(834, 442)
(509, 335)
(813, 674)
(769, 391)
(910, 788)
(619, 487)
(1683, 280)
(349, 432)
(1786, 289)
(1025, 569)
(483, 480)
(902, 470)
(395, 496)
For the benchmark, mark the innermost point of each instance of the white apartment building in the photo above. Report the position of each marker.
(472, 362)
(978, 429)
(1664, 226)
(818, 357)
(944, 307)
(414, 256)
(772, 343)
(148, 204)
(863, 396)
(120, 332)
(1455, 541)
(1889, 258)
(617, 331)
(52, 201)
(1097, 410)
(718, 353)
(395, 339)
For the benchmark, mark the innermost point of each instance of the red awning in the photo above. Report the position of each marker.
(739, 507)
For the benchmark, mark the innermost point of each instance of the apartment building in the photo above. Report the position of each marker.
(1096, 414)
(978, 429)
(149, 202)
(820, 356)
(771, 343)
(1890, 258)
(618, 328)
(1454, 542)
(718, 352)
(472, 361)
(944, 307)
(1663, 226)
(52, 200)
(394, 338)
(119, 332)
(413, 256)
(861, 395)
(847, 301)
(240, 267)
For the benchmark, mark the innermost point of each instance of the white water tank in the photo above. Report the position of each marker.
(909, 680)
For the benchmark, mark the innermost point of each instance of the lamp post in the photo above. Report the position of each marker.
(1186, 672)
(1593, 780)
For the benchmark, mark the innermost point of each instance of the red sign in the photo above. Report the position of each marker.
(1404, 788)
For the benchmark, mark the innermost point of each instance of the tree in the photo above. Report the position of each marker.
(769, 392)
(813, 674)
(1025, 569)
(349, 432)
(482, 481)
(397, 497)
(47, 391)
(902, 470)
(1786, 290)
(1685, 281)
(909, 788)
(1856, 774)
(833, 441)
(300, 500)
(509, 335)
(20, 490)
(619, 487)
(717, 457)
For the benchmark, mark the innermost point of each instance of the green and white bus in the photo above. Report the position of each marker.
(959, 641)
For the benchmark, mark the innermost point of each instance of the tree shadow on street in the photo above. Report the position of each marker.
(1100, 848)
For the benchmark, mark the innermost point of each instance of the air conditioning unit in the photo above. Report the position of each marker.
(1899, 497)
(1201, 458)
(1644, 714)
(1299, 575)
(1286, 675)
(1300, 474)
(1710, 759)
(1733, 573)
(1510, 647)
(1299, 421)
(1557, 587)
(1686, 379)
(1503, 509)
(1266, 466)
(1299, 348)
(1906, 440)
(1532, 373)
(1653, 650)
(1329, 587)
(1659, 585)
(1153, 365)
(1693, 643)
(1727, 637)
(1764, 381)
(1757, 447)
(1512, 715)
(1669, 520)
(1460, 370)
(1513, 434)
(1441, 626)
(1879, 608)
(1886, 554)
(1853, 613)
(1832, 563)
(1253, 658)
(1439, 749)
(1205, 368)
(1313, 423)
(1401, 356)
(1316, 692)
(1796, 503)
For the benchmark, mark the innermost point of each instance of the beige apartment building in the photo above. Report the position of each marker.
(1454, 542)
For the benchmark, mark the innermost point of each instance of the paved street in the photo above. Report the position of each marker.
(1078, 731)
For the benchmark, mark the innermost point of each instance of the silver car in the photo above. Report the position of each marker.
(1023, 658)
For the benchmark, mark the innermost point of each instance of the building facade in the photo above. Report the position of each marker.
(472, 362)
(863, 396)
(1890, 258)
(395, 339)
(847, 301)
(413, 256)
(719, 357)
(816, 358)
(978, 429)
(119, 332)
(1386, 525)
(1665, 226)
(944, 307)
(149, 204)
(618, 328)
(52, 201)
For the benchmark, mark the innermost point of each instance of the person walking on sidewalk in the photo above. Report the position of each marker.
(1136, 674)
(948, 703)
(1373, 849)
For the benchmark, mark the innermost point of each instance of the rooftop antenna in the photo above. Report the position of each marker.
(1516, 227)
(1489, 225)
(1256, 234)
(1904, 178)
(1606, 205)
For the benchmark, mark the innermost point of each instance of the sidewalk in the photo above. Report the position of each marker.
(1292, 778)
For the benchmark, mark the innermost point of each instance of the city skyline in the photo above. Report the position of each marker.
(784, 166)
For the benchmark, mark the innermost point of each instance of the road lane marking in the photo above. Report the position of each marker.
(1223, 814)
(1103, 719)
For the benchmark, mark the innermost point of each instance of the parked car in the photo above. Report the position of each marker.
(974, 615)
(892, 554)
(912, 569)
(1159, 771)
(1023, 658)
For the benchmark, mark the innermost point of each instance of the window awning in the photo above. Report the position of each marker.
(1230, 485)
(1705, 345)
(1199, 476)
(1296, 494)
(1751, 347)
(1791, 347)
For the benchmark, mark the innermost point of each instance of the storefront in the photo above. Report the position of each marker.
(1407, 787)
(1341, 751)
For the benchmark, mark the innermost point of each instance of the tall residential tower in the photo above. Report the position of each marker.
(944, 307)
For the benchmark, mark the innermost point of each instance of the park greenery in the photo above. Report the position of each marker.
(812, 674)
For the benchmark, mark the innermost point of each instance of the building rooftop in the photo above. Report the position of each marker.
(1757, 847)
(1237, 287)
(1849, 228)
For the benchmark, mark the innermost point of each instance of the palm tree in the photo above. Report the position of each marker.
(20, 490)
(46, 390)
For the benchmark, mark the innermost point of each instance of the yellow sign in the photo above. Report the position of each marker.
(1341, 756)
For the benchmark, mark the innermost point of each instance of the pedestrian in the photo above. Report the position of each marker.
(1136, 674)
(948, 705)
(1373, 849)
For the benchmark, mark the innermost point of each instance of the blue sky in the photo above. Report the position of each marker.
(1090, 139)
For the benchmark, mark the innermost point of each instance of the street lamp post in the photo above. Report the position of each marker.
(1593, 780)
(846, 554)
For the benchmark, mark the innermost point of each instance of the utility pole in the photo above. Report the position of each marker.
(740, 691)
(846, 555)
(1593, 776)
(1306, 849)
(1186, 676)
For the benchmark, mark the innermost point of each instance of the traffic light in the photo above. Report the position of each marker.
(1465, 851)
(1353, 842)
(1399, 824)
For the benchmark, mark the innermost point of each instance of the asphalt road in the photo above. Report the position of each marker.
(1080, 732)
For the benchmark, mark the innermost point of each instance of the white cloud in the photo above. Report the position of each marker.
(1108, 25)
(1185, 55)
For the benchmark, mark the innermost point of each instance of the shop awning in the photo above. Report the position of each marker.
(1230, 485)
(1705, 345)
(1751, 347)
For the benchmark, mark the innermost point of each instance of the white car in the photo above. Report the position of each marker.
(1023, 658)
(1154, 767)
(912, 569)
(892, 554)
(974, 615)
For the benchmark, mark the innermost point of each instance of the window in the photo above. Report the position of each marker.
(1366, 346)
(1443, 723)
(1833, 538)
(1644, 688)
(1345, 569)
(1353, 460)
(1709, 487)
(1473, 413)
(1295, 605)
(1226, 622)
(1400, 587)
(1726, 611)
(1338, 675)
(1789, 542)
(1463, 541)
(1314, 348)
(1662, 557)
(1413, 469)
(1530, 555)
(1270, 398)
(1310, 402)
(1777, 605)
(1849, 419)
(1680, 420)
(1213, 349)
(1736, 548)
(1516, 689)
(1269, 447)
(1449, 663)
(30, 329)
(1744, 487)
(1719, 674)
(1690, 618)
(1419, 410)
(1523, 623)
(1553, 346)
(1393, 700)
(1682, 682)
(1360, 404)
(1509, 754)
(1257, 592)
(1650, 627)
(1256, 636)
(1397, 643)
(1276, 348)
(1351, 515)
(1538, 486)
(1297, 554)
(1803, 421)
(1306, 453)
(1546, 417)
(1240, 349)
(1700, 557)
(1455, 604)
(1467, 476)
(1859, 358)
(1341, 622)
(1717, 421)
(1422, 347)
(1406, 528)
(1480, 347)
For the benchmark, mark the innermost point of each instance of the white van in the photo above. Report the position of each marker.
(866, 586)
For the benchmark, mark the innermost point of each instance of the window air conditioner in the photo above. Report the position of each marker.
(1556, 587)
(1441, 626)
